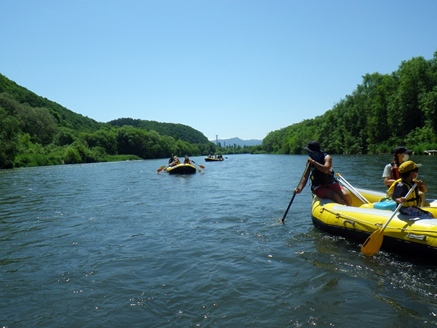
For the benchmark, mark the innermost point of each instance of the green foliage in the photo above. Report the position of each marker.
(102, 138)
(62, 115)
(72, 156)
(177, 131)
(26, 160)
(383, 112)
(9, 139)
(65, 136)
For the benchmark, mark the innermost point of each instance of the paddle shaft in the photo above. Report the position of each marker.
(203, 167)
(352, 189)
(160, 169)
(294, 194)
(374, 241)
(399, 207)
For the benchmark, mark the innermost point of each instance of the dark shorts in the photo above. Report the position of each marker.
(323, 190)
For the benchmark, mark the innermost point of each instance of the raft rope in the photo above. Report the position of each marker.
(378, 225)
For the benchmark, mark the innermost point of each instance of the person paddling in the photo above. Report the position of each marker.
(187, 160)
(409, 172)
(322, 176)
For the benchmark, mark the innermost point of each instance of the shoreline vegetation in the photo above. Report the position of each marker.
(385, 111)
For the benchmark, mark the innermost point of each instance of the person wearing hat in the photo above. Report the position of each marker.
(391, 170)
(175, 161)
(323, 183)
(409, 172)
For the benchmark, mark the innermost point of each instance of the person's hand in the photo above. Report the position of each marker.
(297, 191)
(310, 161)
(401, 200)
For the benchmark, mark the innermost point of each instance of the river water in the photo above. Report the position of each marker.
(120, 245)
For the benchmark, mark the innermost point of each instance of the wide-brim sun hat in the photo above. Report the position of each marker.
(313, 147)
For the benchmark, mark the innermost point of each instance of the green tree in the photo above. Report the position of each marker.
(9, 139)
(103, 138)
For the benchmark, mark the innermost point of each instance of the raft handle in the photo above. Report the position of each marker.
(414, 236)
(352, 223)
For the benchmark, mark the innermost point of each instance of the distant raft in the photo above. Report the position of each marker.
(212, 159)
(404, 234)
(181, 169)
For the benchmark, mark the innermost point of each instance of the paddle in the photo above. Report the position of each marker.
(160, 169)
(373, 243)
(203, 167)
(352, 189)
(292, 198)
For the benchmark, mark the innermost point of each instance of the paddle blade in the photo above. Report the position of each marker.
(201, 166)
(373, 243)
(160, 169)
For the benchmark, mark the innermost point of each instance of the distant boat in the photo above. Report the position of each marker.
(212, 159)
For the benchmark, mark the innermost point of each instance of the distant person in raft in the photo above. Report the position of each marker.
(171, 159)
(391, 170)
(187, 160)
(175, 162)
(323, 183)
(409, 173)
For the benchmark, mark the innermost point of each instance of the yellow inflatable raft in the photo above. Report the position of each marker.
(181, 169)
(404, 234)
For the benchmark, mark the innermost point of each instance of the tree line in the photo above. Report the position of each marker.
(384, 111)
(51, 134)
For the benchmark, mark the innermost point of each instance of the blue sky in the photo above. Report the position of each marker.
(239, 68)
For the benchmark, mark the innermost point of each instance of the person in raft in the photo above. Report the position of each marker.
(391, 170)
(187, 160)
(171, 159)
(398, 190)
(323, 183)
(175, 162)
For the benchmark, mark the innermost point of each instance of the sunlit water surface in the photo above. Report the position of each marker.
(119, 245)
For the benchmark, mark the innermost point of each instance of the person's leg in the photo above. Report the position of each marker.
(326, 192)
(334, 192)
(335, 197)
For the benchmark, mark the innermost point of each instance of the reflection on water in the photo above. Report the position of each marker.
(116, 244)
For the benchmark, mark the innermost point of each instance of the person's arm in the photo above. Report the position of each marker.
(397, 192)
(324, 168)
(386, 175)
(388, 182)
(303, 182)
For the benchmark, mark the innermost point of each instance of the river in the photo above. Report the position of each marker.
(120, 245)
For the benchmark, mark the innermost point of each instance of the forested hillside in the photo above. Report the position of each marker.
(177, 131)
(384, 111)
(37, 131)
(63, 116)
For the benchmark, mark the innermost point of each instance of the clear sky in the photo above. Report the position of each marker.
(232, 68)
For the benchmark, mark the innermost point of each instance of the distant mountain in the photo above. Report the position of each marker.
(238, 142)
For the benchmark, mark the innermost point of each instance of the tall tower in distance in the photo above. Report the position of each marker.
(216, 139)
